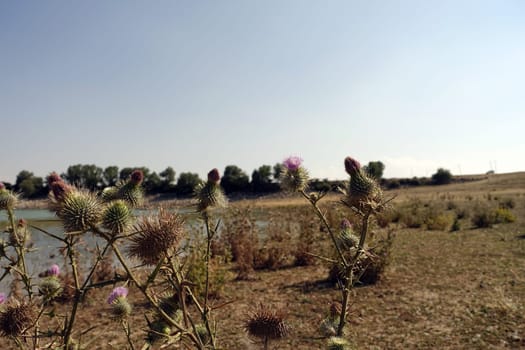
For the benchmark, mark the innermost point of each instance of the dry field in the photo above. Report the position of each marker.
(441, 290)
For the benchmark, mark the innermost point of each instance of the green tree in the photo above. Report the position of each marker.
(29, 185)
(85, 175)
(277, 171)
(262, 181)
(442, 177)
(235, 180)
(153, 183)
(168, 179)
(110, 175)
(186, 183)
(375, 169)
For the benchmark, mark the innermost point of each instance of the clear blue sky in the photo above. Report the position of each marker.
(203, 84)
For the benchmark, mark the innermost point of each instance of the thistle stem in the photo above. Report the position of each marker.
(144, 291)
(72, 260)
(349, 273)
(205, 316)
(325, 223)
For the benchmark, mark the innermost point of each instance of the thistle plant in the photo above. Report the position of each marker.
(363, 197)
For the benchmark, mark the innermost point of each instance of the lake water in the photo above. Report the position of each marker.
(46, 250)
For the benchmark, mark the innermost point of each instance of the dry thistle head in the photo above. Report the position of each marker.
(294, 177)
(16, 318)
(209, 194)
(363, 191)
(156, 236)
(79, 211)
(266, 324)
(117, 217)
(8, 199)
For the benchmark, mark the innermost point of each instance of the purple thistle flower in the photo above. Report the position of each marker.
(2, 186)
(3, 298)
(54, 270)
(118, 292)
(345, 225)
(214, 176)
(352, 166)
(137, 176)
(52, 178)
(292, 163)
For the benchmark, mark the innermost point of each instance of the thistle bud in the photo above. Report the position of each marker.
(117, 217)
(60, 189)
(79, 211)
(120, 305)
(214, 176)
(337, 343)
(352, 166)
(137, 176)
(8, 199)
(363, 191)
(209, 194)
(52, 178)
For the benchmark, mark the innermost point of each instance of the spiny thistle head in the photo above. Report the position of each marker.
(346, 237)
(363, 191)
(202, 333)
(209, 194)
(328, 327)
(109, 193)
(8, 199)
(158, 329)
(170, 305)
(266, 324)
(337, 343)
(117, 217)
(119, 303)
(130, 191)
(294, 177)
(79, 211)
(16, 318)
(50, 287)
(156, 236)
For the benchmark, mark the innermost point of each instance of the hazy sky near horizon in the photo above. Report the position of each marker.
(201, 84)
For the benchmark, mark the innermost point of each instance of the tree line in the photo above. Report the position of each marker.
(234, 181)
(89, 176)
